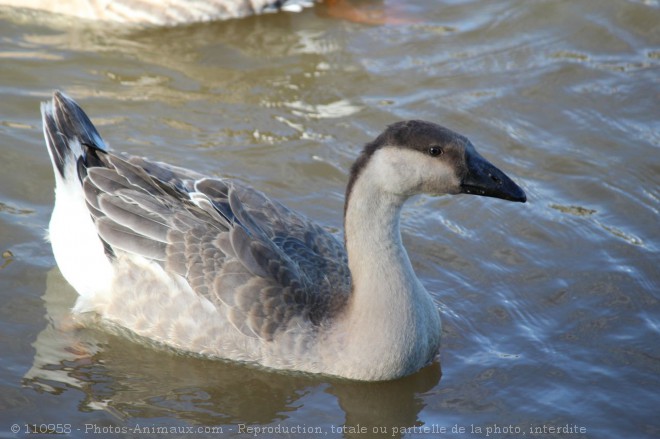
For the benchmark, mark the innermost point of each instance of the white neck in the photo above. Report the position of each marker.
(389, 312)
(376, 256)
(381, 271)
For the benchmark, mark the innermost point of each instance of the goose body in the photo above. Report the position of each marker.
(210, 266)
(160, 12)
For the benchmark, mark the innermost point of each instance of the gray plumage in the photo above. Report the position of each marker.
(251, 256)
(214, 267)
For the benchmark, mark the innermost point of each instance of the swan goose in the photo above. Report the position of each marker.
(160, 12)
(213, 267)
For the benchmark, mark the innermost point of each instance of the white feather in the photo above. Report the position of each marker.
(76, 246)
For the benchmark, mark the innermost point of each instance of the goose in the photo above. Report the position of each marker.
(160, 12)
(212, 267)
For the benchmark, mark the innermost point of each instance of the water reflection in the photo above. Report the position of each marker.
(133, 381)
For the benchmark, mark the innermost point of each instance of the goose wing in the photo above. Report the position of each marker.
(262, 265)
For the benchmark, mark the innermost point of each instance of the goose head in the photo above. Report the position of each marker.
(417, 157)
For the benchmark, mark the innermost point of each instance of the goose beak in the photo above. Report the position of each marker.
(483, 178)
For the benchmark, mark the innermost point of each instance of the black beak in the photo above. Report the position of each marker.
(483, 178)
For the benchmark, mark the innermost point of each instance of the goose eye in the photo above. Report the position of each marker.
(435, 151)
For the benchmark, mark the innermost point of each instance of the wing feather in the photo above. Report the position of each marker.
(266, 268)
(123, 238)
(122, 211)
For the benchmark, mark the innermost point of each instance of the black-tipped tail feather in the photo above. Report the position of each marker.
(65, 127)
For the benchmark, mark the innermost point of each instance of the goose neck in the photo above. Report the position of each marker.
(376, 256)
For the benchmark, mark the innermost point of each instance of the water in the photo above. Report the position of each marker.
(550, 309)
